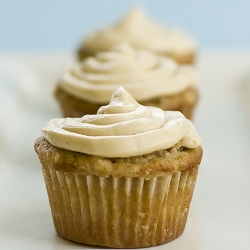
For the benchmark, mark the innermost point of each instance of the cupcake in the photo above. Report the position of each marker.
(122, 178)
(153, 80)
(136, 29)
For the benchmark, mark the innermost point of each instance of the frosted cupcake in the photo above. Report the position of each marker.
(136, 29)
(152, 80)
(122, 178)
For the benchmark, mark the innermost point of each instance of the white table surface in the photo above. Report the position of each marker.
(219, 217)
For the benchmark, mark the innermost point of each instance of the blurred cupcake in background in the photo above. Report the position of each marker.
(141, 33)
(152, 79)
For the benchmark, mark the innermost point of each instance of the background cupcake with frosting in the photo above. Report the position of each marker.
(141, 33)
(153, 80)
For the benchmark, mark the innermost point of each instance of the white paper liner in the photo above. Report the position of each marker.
(120, 212)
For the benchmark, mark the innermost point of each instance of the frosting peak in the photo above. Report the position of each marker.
(121, 102)
(133, 18)
(136, 29)
(123, 128)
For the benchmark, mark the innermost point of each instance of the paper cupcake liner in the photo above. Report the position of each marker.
(120, 212)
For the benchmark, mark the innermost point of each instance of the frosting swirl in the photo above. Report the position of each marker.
(140, 32)
(123, 128)
(144, 74)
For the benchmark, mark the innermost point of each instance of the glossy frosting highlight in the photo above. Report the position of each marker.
(123, 128)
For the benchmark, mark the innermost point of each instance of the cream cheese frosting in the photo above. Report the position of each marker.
(123, 128)
(144, 74)
(136, 29)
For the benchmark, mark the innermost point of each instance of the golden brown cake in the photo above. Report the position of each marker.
(141, 33)
(123, 178)
(152, 79)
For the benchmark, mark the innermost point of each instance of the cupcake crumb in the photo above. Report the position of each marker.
(145, 227)
(142, 215)
(57, 157)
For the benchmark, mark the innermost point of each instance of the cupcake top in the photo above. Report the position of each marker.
(123, 128)
(144, 74)
(136, 29)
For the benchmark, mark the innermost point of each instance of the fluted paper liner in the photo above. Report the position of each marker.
(119, 212)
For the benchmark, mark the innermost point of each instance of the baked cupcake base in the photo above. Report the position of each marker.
(145, 204)
(184, 102)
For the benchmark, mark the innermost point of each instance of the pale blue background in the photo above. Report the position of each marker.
(60, 24)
